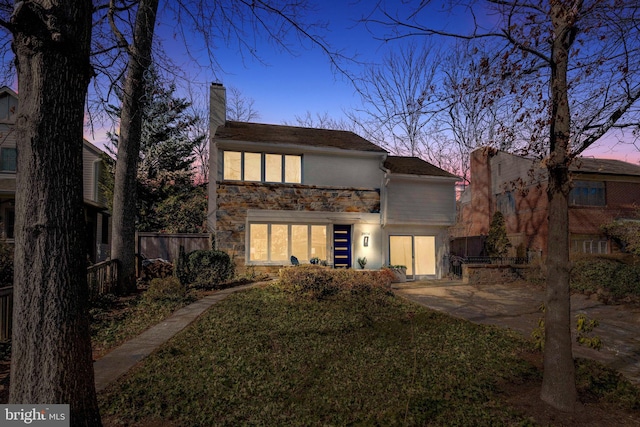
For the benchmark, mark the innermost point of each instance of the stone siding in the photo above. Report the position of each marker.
(233, 199)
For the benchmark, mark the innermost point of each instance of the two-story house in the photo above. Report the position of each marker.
(603, 190)
(96, 215)
(280, 191)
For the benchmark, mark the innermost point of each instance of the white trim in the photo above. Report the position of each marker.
(316, 217)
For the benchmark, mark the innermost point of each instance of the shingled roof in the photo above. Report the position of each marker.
(414, 166)
(281, 134)
(604, 166)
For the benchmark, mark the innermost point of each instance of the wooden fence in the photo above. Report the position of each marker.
(167, 246)
(6, 311)
(102, 278)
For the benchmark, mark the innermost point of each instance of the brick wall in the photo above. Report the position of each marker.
(235, 198)
(491, 274)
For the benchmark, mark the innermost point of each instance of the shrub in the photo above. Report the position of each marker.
(209, 268)
(318, 282)
(165, 289)
(594, 274)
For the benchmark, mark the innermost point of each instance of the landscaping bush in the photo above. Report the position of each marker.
(318, 282)
(606, 275)
(165, 289)
(206, 269)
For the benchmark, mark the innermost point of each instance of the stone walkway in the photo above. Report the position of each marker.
(117, 362)
(516, 306)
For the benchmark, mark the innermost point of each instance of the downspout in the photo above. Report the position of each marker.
(383, 196)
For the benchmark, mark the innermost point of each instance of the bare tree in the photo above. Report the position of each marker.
(240, 108)
(574, 65)
(475, 111)
(322, 121)
(51, 346)
(399, 100)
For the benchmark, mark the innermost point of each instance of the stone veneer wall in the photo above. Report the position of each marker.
(235, 198)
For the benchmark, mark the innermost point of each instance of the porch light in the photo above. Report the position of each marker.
(365, 240)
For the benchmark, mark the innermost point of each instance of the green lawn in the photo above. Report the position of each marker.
(268, 357)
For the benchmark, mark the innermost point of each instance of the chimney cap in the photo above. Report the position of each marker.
(216, 84)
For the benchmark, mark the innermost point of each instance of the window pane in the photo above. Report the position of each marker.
(258, 243)
(273, 168)
(300, 241)
(293, 169)
(8, 161)
(232, 165)
(279, 242)
(425, 254)
(401, 251)
(319, 241)
(252, 167)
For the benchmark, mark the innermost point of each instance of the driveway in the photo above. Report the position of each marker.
(516, 306)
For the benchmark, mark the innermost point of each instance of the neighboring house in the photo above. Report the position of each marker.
(280, 191)
(96, 215)
(602, 191)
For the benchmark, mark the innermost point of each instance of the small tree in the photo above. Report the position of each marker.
(497, 243)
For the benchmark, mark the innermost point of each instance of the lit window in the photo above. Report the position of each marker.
(292, 169)
(273, 168)
(232, 165)
(300, 241)
(258, 234)
(278, 242)
(319, 241)
(260, 167)
(252, 167)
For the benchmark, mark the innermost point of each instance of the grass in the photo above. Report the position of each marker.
(267, 357)
(115, 320)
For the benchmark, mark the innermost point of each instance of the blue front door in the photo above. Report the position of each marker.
(342, 246)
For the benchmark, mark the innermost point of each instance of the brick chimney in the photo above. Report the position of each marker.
(481, 203)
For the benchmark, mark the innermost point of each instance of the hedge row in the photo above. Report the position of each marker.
(612, 275)
(318, 282)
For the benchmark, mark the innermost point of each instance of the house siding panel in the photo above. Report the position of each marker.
(426, 202)
(348, 171)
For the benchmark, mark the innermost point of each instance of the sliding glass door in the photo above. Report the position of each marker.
(417, 253)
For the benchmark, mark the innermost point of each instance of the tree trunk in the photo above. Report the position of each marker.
(124, 191)
(558, 384)
(51, 347)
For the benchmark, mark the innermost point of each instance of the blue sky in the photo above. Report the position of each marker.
(292, 85)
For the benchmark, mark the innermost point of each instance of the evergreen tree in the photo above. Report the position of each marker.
(497, 243)
(165, 174)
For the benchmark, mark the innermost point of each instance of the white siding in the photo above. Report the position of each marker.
(341, 171)
(420, 201)
(88, 173)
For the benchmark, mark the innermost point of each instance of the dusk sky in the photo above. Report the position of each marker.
(286, 86)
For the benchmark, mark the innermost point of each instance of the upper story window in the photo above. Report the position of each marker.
(8, 159)
(505, 203)
(261, 167)
(587, 193)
